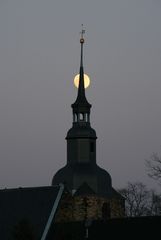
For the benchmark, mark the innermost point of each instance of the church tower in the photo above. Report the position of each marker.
(81, 174)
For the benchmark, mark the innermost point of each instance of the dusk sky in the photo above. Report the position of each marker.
(39, 57)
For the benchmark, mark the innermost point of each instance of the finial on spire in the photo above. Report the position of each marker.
(82, 34)
(82, 41)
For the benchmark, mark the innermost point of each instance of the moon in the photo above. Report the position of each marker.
(86, 81)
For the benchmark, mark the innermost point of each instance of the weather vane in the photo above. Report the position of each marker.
(82, 34)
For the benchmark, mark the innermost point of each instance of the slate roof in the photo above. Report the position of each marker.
(33, 205)
(116, 194)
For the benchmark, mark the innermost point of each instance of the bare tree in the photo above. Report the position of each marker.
(139, 201)
(154, 167)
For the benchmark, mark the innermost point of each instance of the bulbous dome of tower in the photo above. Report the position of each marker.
(73, 177)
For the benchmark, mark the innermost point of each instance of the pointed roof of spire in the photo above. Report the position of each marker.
(81, 97)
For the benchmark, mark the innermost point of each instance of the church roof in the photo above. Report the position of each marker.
(116, 194)
(29, 208)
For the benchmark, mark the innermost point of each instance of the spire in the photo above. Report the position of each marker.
(81, 89)
(81, 98)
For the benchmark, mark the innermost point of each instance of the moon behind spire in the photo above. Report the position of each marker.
(86, 81)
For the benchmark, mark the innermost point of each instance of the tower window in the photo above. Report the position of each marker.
(75, 117)
(92, 147)
(81, 117)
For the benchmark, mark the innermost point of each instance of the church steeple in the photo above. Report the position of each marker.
(81, 138)
(81, 107)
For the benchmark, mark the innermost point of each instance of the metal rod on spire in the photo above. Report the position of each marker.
(82, 41)
(82, 32)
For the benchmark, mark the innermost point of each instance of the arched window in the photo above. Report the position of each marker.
(81, 116)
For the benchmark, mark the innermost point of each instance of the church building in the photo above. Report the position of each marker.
(86, 181)
(81, 191)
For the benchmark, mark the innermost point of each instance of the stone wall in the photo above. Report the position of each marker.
(81, 208)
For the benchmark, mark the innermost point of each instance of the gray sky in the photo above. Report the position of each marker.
(39, 56)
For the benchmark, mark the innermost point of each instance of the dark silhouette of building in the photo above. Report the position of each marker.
(28, 212)
(81, 170)
(81, 191)
(81, 203)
